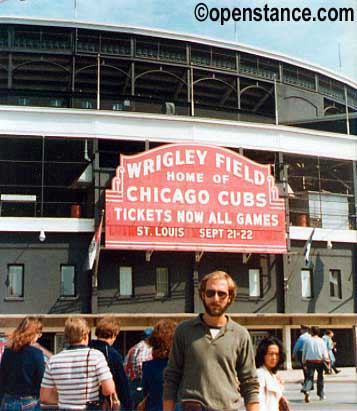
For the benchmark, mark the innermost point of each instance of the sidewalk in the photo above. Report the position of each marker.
(347, 374)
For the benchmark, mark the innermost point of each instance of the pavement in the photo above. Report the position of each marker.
(347, 374)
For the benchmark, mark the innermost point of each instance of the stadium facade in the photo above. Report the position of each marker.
(75, 97)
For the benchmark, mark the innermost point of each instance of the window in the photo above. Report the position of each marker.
(68, 281)
(306, 284)
(126, 281)
(332, 210)
(44, 176)
(162, 281)
(15, 281)
(335, 284)
(254, 283)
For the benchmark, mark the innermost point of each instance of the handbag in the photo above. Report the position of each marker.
(91, 405)
(105, 403)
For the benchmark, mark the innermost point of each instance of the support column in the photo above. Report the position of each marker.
(354, 225)
(283, 177)
(347, 114)
(10, 72)
(197, 306)
(97, 216)
(192, 92)
(98, 81)
(354, 172)
(92, 333)
(287, 346)
(354, 335)
(132, 86)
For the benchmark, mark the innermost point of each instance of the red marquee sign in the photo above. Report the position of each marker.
(190, 197)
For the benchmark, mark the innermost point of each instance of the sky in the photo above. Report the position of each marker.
(332, 45)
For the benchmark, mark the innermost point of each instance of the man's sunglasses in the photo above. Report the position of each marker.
(212, 293)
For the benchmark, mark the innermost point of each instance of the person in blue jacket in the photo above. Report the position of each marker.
(22, 367)
(106, 331)
(299, 346)
(153, 371)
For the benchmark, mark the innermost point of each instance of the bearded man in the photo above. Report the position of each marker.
(211, 364)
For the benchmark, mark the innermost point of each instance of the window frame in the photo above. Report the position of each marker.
(311, 295)
(338, 285)
(131, 281)
(260, 294)
(22, 294)
(166, 293)
(65, 296)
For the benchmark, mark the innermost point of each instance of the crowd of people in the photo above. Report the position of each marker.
(206, 363)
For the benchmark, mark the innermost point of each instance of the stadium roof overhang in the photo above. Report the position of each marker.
(75, 123)
(185, 37)
(332, 123)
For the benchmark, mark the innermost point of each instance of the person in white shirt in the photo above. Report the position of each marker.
(270, 356)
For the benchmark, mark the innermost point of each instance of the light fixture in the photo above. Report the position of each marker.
(42, 236)
(329, 244)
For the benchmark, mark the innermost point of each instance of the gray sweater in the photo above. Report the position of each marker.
(209, 370)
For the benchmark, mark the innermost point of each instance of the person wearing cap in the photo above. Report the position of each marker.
(133, 366)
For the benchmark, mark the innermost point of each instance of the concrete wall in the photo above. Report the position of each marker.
(181, 271)
(340, 257)
(297, 104)
(233, 264)
(144, 299)
(42, 263)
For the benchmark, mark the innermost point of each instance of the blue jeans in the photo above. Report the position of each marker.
(299, 357)
(19, 403)
(309, 383)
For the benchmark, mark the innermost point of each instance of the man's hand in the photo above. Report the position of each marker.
(169, 405)
(251, 406)
(48, 396)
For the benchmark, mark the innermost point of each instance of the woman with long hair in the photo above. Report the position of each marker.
(153, 371)
(270, 356)
(22, 367)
